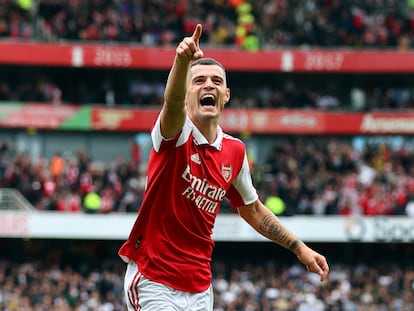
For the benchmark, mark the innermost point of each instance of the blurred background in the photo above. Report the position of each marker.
(322, 93)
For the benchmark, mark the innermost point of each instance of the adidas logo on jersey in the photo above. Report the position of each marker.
(195, 158)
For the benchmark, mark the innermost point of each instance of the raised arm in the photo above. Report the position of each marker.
(270, 226)
(173, 113)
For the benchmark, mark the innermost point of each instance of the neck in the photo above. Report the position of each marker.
(208, 129)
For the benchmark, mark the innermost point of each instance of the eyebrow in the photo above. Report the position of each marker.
(204, 76)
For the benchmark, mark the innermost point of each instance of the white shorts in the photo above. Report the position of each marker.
(142, 294)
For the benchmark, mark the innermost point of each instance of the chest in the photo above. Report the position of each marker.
(215, 166)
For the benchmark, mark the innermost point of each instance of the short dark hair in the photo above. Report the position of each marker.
(207, 61)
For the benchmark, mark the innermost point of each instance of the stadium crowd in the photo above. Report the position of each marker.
(318, 179)
(72, 276)
(277, 24)
(383, 23)
(376, 181)
(309, 178)
(312, 177)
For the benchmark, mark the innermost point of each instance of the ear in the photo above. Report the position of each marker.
(227, 98)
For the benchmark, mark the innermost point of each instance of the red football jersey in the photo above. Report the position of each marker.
(187, 179)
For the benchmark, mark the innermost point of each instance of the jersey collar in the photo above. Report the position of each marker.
(199, 138)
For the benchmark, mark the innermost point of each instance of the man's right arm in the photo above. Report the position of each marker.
(173, 113)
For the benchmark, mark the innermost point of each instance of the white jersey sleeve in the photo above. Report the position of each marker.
(157, 137)
(244, 185)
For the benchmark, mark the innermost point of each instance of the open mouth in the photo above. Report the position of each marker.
(208, 100)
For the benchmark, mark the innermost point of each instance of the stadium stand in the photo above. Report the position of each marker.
(142, 89)
(385, 25)
(276, 24)
(318, 175)
(333, 178)
(73, 276)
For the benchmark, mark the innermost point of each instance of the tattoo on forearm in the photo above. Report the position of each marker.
(275, 231)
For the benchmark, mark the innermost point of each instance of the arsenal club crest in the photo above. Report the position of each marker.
(226, 171)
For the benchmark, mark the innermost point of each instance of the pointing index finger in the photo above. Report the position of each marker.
(197, 33)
